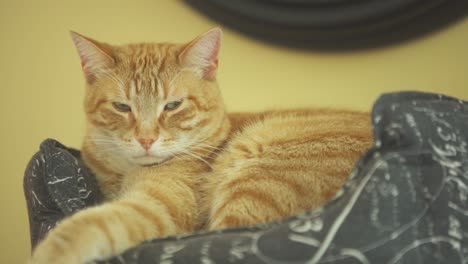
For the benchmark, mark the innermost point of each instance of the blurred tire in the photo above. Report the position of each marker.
(333, 24)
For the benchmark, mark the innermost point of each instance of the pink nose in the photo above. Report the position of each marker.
(146, 142)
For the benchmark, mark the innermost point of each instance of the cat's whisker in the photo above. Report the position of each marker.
(199, 141)
(103, 140)
(207, 146)
(101, 136)
(211, 152)
(106, 146)
(111, 150)
(196, 156)
(102, 143)
(178, 157)
(182, 156)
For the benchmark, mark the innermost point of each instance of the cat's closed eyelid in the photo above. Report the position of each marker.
(122, 107)
(173, 105)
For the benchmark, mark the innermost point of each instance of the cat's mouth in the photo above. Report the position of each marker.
(151, 162)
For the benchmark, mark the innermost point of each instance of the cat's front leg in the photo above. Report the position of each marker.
(152, 207)
(103, 231)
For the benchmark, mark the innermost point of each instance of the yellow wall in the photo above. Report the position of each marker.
(41, 82)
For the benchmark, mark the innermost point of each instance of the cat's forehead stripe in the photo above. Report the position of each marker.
(139, 85)
(148, 85)
(132, 89)
(152, 67)
(160, 89)
(152, 84)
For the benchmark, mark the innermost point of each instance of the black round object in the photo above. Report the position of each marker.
(333, 24)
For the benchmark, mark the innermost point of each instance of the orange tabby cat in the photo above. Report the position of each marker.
(169, 159)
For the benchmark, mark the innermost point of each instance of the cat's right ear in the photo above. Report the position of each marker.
(95, 57)
(201, 53)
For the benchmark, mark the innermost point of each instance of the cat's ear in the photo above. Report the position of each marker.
(95, 56)
(201, 54)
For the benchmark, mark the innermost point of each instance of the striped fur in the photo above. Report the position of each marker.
(209, 169)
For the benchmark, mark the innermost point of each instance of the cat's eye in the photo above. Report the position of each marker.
(122, 107)
(172, 105)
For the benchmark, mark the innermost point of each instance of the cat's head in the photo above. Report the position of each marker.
(147, 102)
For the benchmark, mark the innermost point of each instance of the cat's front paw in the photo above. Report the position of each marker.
(75, 240)
(54, 250)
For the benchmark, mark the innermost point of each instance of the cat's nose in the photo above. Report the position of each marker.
(146, 142)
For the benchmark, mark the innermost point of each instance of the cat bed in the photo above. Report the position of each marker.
(406, 201)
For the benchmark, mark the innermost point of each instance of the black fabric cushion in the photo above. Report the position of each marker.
(405, 201)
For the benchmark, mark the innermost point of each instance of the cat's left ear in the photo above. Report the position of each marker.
(201, 54)
(96, 57)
